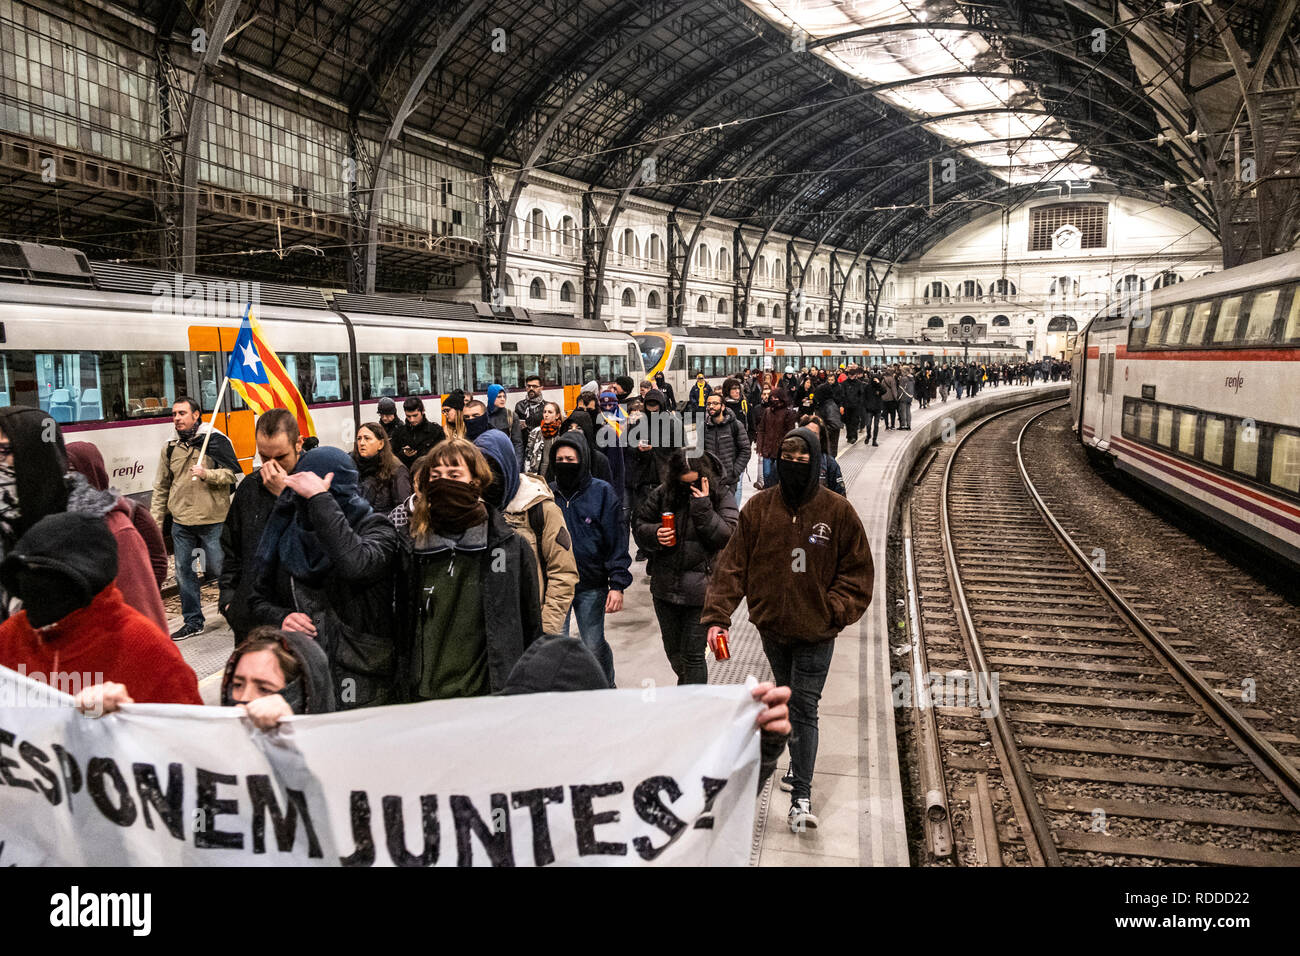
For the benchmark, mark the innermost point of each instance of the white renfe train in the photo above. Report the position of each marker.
(1197, 395)
(106, 349)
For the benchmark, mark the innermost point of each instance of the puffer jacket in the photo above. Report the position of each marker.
(778, 418)
(827, 407)
(728, 442)
(680, 574)
(194, 502)
(533, 506)
(351, 608)
(873, 395)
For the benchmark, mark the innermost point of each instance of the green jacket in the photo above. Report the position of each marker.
(194, 502)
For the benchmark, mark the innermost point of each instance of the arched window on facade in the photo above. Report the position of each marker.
(760, 311)
(823, 280)
(937, 291)
(652, 300)
(627, 246)
(935, 322)
(1062, 323)
(821, 316)
(724, 263)
(761, 267)
(604, 295)
(778, 272)
(1166, 279)
(629, 298)
(566, 292)
(537, 289)
(702, 259)
(1002, 287)
(536, 229)
(568, 234)
(776, 312)
(509, 287)
(701, 304)
(1130, 283)
(656, 247)
(1064, 287)
(722, 307)
(1000, 321)
(970, 289)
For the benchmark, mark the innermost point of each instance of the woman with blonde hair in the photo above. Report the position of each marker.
(467, 602)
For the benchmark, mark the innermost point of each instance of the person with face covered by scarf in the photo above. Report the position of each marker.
(503, 419)
(594, 516)
(798, 606)
(468, 601)
(324, 567)
(275, 674)
(681, 561)
(530, 509)
(74, 620)
(35, 482)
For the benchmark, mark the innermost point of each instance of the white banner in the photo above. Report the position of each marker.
(612, 778)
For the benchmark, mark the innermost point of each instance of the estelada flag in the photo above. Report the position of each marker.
(260, 379)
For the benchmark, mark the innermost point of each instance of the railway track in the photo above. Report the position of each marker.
(1064, 721)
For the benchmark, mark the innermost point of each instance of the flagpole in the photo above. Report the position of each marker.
(221, 393)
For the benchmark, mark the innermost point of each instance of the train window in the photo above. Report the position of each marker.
(1259, 324)
(1225, 330)
(1145, 419)
(1156, 334)
(634, 368)
(379, 376)
(320, 376)
(1200, 319)
(1285, 471)
(487, 370)
(1291, 332)
(421, 374)
(1177, 319)
(1165, 427)
(548, 367)
(512, 370)
(1137, 333)
(1187, 433)
(679, 359)
(94, 386)
(1129, 425)
(1212, 446)
(1245, 448)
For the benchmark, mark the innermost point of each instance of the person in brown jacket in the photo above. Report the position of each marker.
(777, 419)
(800, 558)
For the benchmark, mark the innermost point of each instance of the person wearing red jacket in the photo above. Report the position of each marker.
(35, 482)
(75, 630)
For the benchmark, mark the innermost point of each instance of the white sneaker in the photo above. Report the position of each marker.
(786, 782)
(801, 817)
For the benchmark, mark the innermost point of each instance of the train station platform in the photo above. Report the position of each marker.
(857, 790)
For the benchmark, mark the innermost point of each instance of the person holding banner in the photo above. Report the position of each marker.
(467, 593)
(75, 629)
(274, 674)
(324, 567)
(196, 474)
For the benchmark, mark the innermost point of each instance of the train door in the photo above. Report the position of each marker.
(1105, 385)
(571, 373)
(206, 363)
(453, 366)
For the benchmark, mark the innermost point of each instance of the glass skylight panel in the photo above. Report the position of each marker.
(891, 57)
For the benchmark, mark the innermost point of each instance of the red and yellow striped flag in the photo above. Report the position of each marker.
(260, 378)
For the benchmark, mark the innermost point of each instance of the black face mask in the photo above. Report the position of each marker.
(476, 426)
(496, 492)
(795, 480)
(567, 474)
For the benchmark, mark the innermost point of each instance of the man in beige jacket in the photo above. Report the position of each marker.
(196, 494)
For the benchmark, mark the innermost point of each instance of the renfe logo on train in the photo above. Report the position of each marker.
(1234, 382)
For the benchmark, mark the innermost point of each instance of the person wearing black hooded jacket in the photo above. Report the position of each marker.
(580, 420)
(681, 560)
(274, 674)
(828, 410)
(593, 512)
(324, 567)
(800, 558)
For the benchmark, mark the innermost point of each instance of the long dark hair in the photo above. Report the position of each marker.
(388, 462)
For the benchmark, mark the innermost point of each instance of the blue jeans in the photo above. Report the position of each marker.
(803, 668)
(589, 608)
(189, 541)
(769, 469)
(740, 488)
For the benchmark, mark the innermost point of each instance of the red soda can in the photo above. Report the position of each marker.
(670, 522)
(723, 652)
